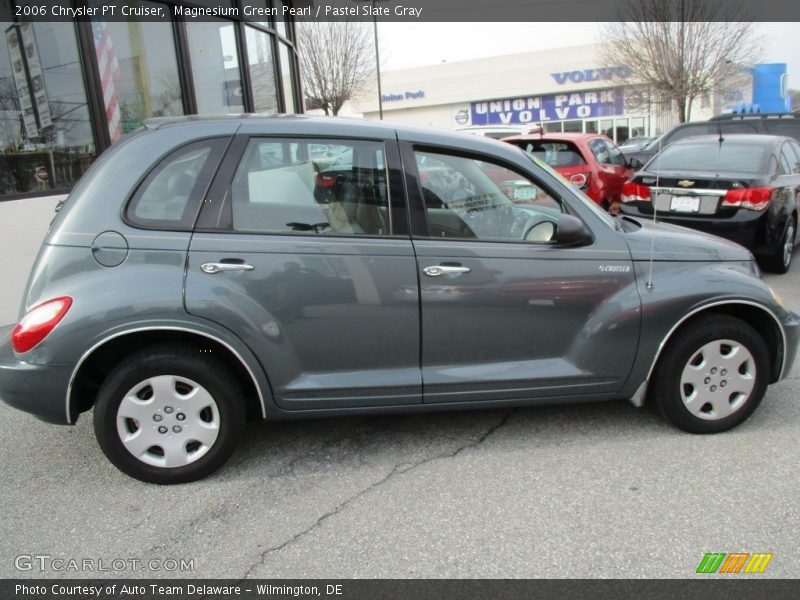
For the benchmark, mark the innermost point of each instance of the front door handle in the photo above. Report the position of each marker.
(437, 270)
(212, 268)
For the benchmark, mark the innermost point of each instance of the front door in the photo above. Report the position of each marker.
(508, 313)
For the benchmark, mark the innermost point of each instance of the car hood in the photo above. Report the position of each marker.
(675, 243)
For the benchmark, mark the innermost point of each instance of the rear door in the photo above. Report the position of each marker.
(306, 256)
(507, 313)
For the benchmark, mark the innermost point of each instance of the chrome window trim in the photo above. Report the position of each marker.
(161, 328)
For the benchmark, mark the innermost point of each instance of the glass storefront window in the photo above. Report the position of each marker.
(280, 25)
(215, 67)
(262, 70)
(620, 131)
(138, 73)
(607, 128)
(591, 126)
(46, 139)
(638, 127)
(552, 127)
(573, 126)
(287, 78)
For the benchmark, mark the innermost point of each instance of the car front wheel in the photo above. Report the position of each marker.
(712, 376)
(169, 415)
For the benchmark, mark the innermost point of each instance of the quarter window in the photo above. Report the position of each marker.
(170, 195)
(311, 187)
(475, 199)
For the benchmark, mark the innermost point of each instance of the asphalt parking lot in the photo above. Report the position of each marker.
(570, 491)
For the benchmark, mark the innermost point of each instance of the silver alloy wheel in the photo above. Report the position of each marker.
(168, 421)
(788, 246)
(718, 379)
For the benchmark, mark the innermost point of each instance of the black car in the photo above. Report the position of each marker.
(785, 124)
(741, 187)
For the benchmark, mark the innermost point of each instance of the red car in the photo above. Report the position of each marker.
(590, 161)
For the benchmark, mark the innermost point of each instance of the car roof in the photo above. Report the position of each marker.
(751, 139)
(554, 137)
(324, 127)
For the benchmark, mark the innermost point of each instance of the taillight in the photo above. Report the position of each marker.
(325, 180)
(754, 198)
(634, 192)
(38, 323)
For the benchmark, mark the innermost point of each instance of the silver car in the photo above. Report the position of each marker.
(209, 270)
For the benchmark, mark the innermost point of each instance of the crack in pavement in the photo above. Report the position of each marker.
(397, 470)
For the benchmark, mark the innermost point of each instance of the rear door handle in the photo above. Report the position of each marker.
(219, 267)
(437, 270)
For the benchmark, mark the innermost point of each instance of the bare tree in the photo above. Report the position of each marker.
(680, 50)
(337, 59)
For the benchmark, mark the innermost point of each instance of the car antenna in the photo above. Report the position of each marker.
(649, 285)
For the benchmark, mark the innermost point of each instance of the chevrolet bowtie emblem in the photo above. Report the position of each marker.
(685, 183)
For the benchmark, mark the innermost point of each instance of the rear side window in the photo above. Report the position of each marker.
(171, 195)
(311, 187)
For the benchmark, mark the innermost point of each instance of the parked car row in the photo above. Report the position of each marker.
(712, 176)
(241, 271)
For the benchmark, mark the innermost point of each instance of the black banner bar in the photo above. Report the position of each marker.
(410, 11)
(426, 589)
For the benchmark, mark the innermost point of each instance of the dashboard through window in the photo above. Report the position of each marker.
(474, 199)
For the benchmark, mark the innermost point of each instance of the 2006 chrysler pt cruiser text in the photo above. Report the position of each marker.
(210, 270)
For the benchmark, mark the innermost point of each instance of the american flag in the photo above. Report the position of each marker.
(109, 73)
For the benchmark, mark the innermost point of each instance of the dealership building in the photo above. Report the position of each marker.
(70, 89)
(564, 89)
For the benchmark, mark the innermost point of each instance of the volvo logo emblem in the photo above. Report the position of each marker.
(685, 183)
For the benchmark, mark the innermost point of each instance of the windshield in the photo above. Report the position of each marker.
(710, 156)
(577, 194)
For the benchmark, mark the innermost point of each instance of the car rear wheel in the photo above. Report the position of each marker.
(169, 415)
(782, 259)
(712, 376)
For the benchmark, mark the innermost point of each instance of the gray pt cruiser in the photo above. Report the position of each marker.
(207, 270)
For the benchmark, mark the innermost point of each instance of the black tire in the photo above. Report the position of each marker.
(782, 259)
(225, 415)
(668, 388)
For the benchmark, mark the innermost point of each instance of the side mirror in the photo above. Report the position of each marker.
(635, 163)
(572, 231)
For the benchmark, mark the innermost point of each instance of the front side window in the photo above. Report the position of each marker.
(788, 159)
(474, 199)
(311, 187)
(170, 195)
(600, 151)
(615, 157)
